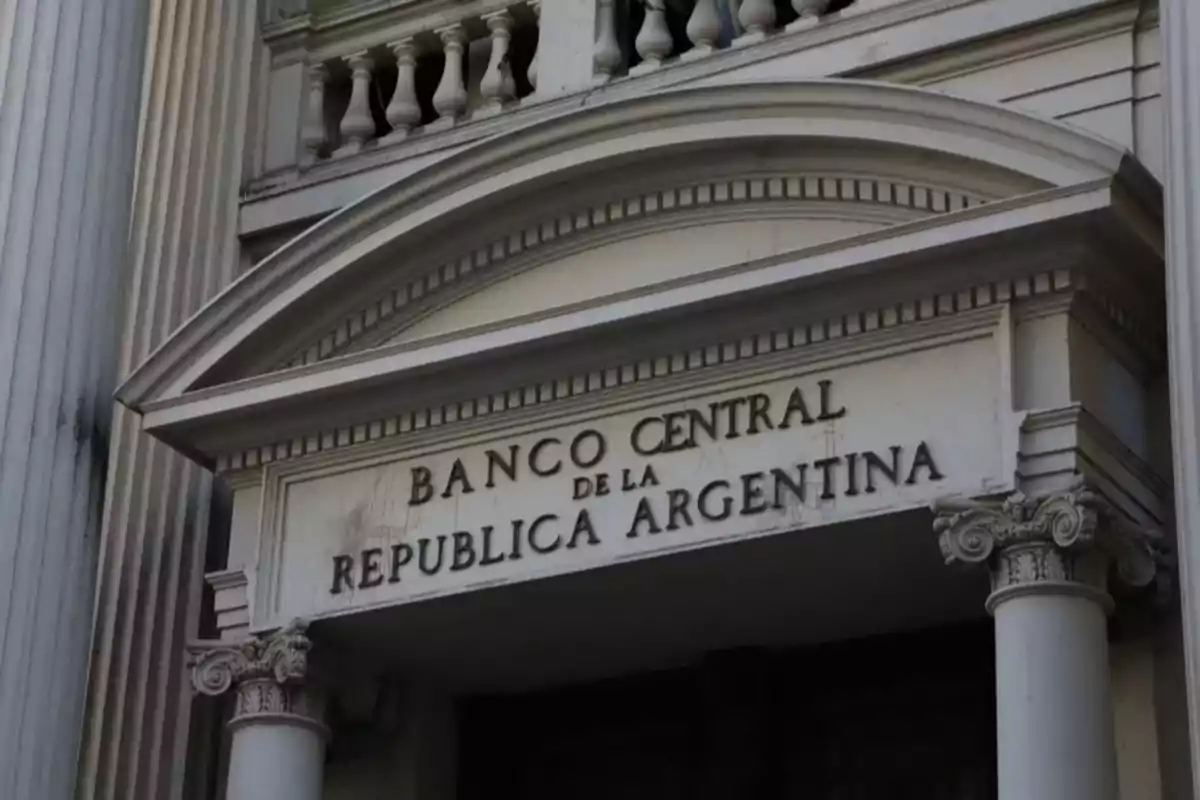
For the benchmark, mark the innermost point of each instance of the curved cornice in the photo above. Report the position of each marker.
(472, 267)
(586, 139)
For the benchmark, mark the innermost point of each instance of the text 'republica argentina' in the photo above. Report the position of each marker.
(659, 510)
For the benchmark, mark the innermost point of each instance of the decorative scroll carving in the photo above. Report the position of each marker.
(268, 672)
(281, 656)
(1062, 542)
(970, 531)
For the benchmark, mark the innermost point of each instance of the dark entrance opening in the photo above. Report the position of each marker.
(900, 716)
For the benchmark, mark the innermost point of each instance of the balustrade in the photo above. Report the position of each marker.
(360, 89)
(640, 36)
(429, 80)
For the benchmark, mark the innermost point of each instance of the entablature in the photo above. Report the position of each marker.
(833, 295)
(831, 215)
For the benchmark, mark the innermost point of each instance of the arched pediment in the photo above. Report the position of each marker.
(677, 218)
(788, 166)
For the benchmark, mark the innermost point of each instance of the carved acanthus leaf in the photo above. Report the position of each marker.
(970, 531)
(281, 656)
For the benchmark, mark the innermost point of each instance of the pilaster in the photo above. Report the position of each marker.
(70, 76)
(1181, 75)
(191, 140)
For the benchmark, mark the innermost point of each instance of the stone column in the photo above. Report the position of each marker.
(1050, 560)
(70, 81)
(277, 746)
(1181, 79)
(195, 118)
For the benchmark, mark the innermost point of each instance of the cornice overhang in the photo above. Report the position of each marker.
(1050, 230)
(623, 132)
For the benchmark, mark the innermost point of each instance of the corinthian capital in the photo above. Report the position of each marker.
(281, 656)
(1065, 541)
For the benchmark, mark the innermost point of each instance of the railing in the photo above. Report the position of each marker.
(638, 36)
(352, 75)
(423, 81)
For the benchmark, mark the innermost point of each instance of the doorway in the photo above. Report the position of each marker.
(897, 716)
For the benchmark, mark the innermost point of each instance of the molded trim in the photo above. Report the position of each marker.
(643, 128)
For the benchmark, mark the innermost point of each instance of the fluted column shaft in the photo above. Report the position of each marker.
(184, 248)
(1049, 560)
(70, 79)
(1181, 78)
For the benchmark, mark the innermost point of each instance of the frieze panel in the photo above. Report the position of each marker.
(804, 443)
(816, 339)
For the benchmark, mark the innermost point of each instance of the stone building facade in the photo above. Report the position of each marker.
(592, 398)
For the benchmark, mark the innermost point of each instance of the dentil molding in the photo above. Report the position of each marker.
(819, 339)
(880, 198)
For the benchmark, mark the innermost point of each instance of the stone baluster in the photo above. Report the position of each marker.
(757, 18)
(809, 12)
(703, 28)
(1050, 560)
(497, 87)
(606, 54)
(450, 99)
(531, 74)
(653, 41)
(404, 111)
(277, 732)
(313, 134)
(357, 125)
(810, 8)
